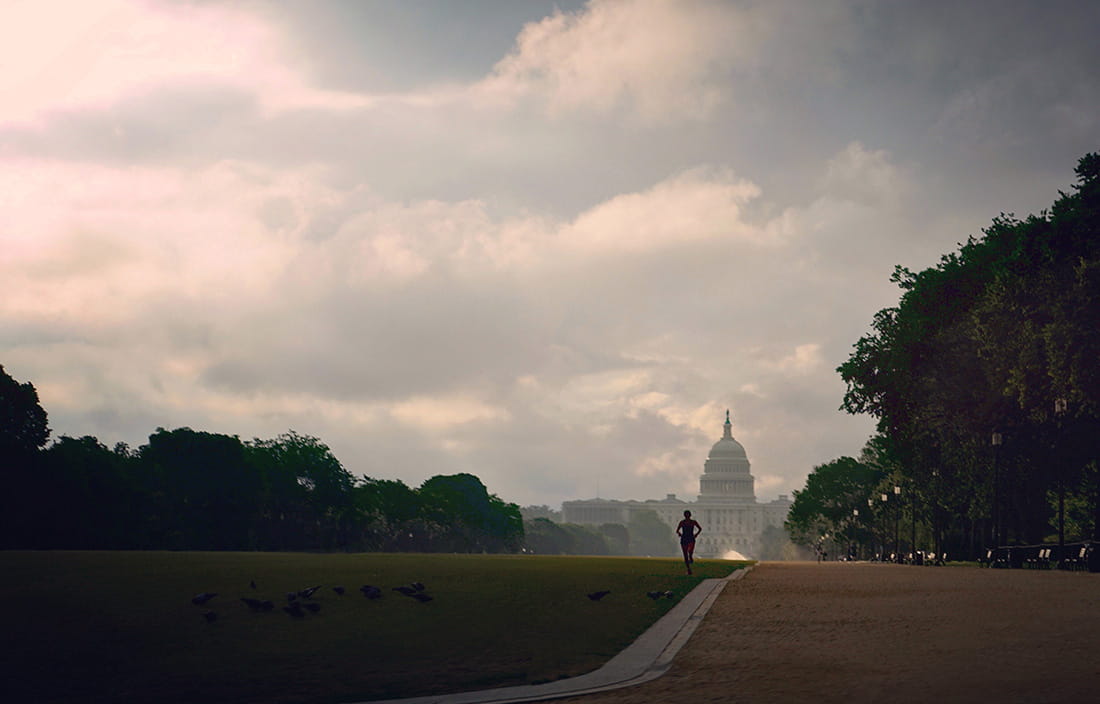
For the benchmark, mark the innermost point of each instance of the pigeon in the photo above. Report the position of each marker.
(371, 591)
(654, 595)
(596, 596)
(254, 604)
(308, 593)
(312, 606)
(291, 596)
(295, 610)
(338, 589)
(418, 586)
(407, 591)
(210, 616)
(421, 597)
(669, 594)
(200, 599)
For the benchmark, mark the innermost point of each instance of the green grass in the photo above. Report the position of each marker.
(120, 626)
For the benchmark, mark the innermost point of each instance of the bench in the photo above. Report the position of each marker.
(1040, 560)
(1076, 560)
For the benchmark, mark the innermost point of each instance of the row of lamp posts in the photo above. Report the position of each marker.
(996, 441)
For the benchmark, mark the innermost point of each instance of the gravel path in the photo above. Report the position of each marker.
(857, 632)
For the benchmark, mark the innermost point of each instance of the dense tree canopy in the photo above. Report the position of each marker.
(1001, 337)
(188, 489)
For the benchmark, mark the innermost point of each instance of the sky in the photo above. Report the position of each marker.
(545, 243)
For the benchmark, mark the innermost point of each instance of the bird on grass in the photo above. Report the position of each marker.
(596, 596)
(418, 586)
(309, 592)
(210, 616)
(291, 597)
(654, 595)
(669, 594)
(202, 598)
(338, 589)
(370, 591)
(254, 604)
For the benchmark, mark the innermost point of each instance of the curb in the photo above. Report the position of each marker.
(647, 658)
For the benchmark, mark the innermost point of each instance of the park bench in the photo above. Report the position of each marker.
(1076, 559)
(1002, 558)
(1040, 560)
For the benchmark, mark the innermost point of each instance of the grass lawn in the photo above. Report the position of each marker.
(120, 626)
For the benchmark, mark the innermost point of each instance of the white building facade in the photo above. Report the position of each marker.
(726, 507)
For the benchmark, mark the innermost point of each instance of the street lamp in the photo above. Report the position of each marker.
(897, 524)
(855, 519)
(1060, 407)
(995, 441)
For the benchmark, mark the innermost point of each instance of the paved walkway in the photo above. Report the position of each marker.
(858, 633)
(854, 633)
(647, 658)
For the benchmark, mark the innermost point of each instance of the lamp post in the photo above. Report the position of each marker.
(885, 527)
(855, 519)
(1060, 406)
(913, 527)
(995, 440)
(897, 525)
(936, 512)
(871, 514)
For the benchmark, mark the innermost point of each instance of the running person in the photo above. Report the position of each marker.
(687, 529)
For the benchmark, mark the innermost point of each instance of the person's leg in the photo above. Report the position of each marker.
(686, 548)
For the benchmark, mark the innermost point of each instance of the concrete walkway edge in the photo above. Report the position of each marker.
(647, 658)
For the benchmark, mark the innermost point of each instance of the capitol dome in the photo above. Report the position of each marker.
(726, 476)
(727, 448)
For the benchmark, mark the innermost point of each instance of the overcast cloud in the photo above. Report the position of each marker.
(548, 243)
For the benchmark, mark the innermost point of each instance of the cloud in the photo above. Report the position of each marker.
(60, 56)
(659, 60)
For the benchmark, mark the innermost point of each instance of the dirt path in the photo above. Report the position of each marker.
(854, 632)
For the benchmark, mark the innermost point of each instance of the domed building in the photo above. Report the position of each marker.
(726, 506)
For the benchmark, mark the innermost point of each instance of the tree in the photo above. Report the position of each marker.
(833, 491)
(208, 492)
(23, 427)
(473, 519)
(307, 493)
(649, 535)
(23, 430)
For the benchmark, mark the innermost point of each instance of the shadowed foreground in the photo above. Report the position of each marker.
(845, 632)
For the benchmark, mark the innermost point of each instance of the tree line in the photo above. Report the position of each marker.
(985, 383)
(195, 490)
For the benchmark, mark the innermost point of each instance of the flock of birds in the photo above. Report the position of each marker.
(299, 602)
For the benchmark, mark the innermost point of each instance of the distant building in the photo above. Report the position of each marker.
(726, 507)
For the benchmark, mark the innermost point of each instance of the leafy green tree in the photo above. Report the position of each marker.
(617, 537)
(308, 494)
(649, 535)
(23, 430)
(985, 342)
(23, 426)
(471, 517)
(833, 491)
(210, 493)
